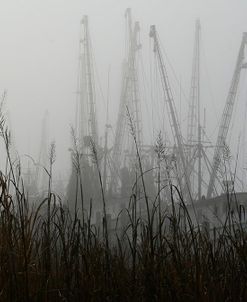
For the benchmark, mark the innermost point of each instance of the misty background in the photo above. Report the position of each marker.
(39, 55)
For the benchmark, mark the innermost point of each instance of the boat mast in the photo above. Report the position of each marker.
(226, 116)
(129, 98)
(194, 130)
(88, 130)
(172, 110)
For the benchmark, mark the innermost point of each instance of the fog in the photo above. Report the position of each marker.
(39, 60)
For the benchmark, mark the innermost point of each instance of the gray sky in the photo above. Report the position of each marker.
(39, 42)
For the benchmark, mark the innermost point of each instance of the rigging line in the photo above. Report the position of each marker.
(98, 77)
(173, 70)
(160, 99)
(145, 88)
(244, 145)
(166, 105)
(238, 184)
(126, 44)
(236, 161)
(155, 95)
(77, 99)
(213, 100)
(113, 128)
(155, 92)
(160, 105)
(98, 84)
(235, 108)
(232, 124)
(176, 81)
(210, 88)
(108, 95)
(151, 86)
(214, 131)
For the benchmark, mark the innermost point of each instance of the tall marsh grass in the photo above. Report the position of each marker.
(49, 254)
